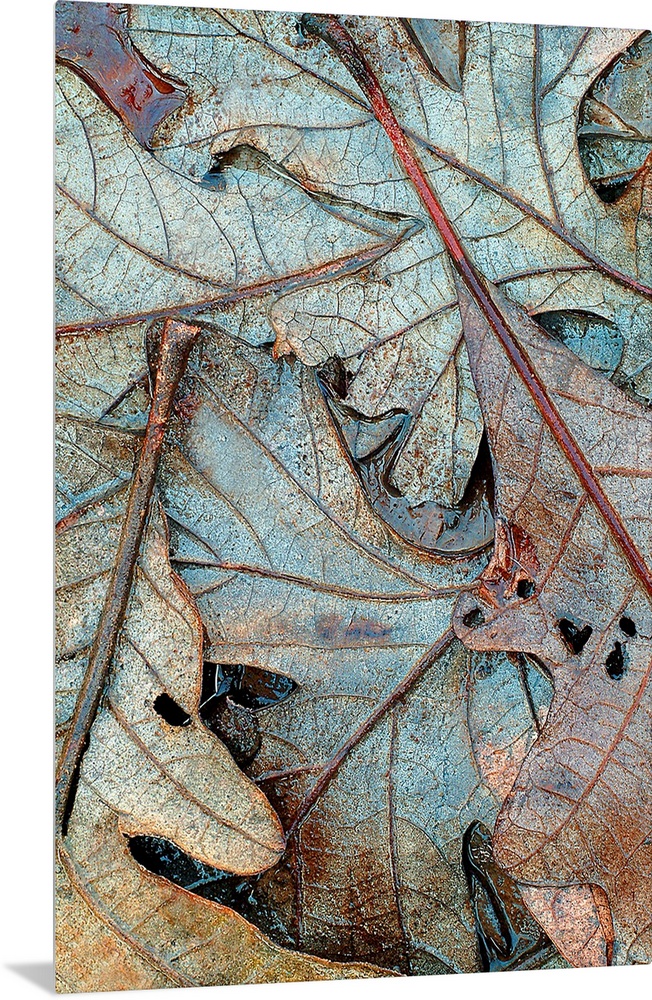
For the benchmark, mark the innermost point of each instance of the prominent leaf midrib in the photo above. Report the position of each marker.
(185, 792)
(343, 45)
(295, 281)
(557, 229)
(348, 593)
(424, 594)
(331, 768)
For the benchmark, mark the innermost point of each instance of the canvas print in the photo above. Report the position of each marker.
(354, 496)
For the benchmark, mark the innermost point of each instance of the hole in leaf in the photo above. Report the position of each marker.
(615, 662)
(525, 588)
(473, 618)
(169, 710)
(627, 626)
(574, 636)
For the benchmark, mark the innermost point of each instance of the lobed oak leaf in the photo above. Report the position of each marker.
(368, 761)
(569, 583)
(522, 200)
(137, 240)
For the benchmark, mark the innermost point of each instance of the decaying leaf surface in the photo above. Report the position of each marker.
(177, 245)
(151, 766)
(172, 779)
(119, 927)
(569, 915)
(615, 132)
(287, 713)
(568, 583)
(93, 39)
(378, 801)
(399, 330)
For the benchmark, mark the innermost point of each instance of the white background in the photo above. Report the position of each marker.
(26, 518)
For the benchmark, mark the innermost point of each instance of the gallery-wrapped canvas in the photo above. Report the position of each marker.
(354, 494)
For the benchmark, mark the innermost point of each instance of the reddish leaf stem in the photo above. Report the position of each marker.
(332, 767)
(332, 31)
(177, 340)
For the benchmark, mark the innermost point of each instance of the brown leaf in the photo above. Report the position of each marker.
(151, 768)
(92, 39)
(308, 530)
(569, 915)
(369, 761)
(534, 429)
(569, 583)
(163, 775)
(574, 920)
(119, 927)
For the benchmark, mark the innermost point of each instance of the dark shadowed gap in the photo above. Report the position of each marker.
(374, 446)
(163, 858)
(508, 935)
(232, 696)
(614, 132)
(627, 626)
(615, 664)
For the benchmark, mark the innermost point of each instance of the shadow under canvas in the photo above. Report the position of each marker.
(40, 973)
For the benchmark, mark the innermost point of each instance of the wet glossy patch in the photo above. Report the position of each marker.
(508, 935)
(374, 445)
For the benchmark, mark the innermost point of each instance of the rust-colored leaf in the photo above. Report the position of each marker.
(569, 582)
(92, 39)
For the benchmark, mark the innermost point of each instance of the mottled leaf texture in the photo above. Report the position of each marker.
(569, 583)
(353, 493)
(151, 766)
(368, 761)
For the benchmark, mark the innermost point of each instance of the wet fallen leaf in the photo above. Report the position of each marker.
(615, 130)
(178, 245)
(93, 39)
(570, 915)
(325, 498)
(521, 201)
(163, 772)
(493, 326)
(151, 767)
(569, 583)
(368, 761)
